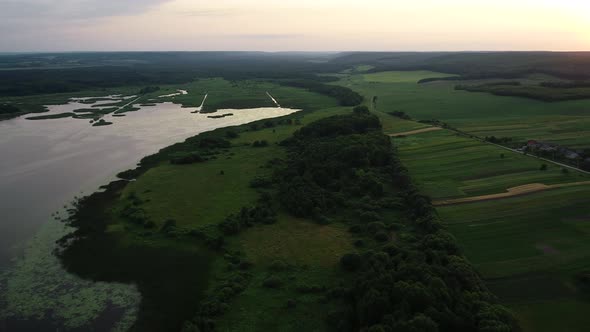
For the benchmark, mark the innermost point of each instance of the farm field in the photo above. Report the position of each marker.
(528, 248)
(566, 122)
(449, 166)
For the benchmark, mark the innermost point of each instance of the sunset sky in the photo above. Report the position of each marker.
(293, 25)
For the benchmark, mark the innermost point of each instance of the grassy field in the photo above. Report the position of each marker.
(189, 204)
(244, 94)
(303, 267)
(566, 123)
(528, 248)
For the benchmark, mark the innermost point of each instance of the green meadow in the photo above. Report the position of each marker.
(277, 250)
(483, 114)
(243, 94)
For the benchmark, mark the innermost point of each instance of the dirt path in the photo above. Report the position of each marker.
(273, 99)
(511, 192)
(417, 131)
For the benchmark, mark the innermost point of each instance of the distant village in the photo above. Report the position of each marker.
(557, 151)
(578, 158)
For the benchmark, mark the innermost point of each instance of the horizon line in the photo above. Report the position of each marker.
(309, 52)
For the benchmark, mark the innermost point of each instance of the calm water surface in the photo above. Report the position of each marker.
(45, 163)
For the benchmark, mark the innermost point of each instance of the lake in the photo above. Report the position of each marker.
(44, 165)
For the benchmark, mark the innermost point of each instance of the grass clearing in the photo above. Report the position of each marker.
(324, 244)
(200, 195)
(311, 253)
(402, 77)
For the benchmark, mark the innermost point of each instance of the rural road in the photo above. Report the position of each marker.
(500, 146)
(417, 131)
(511, 192)
(533, 156)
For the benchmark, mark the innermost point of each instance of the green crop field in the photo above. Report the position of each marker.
(446, 165)
(483, 114)
(529, 248)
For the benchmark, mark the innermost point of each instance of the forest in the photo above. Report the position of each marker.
(29, 74)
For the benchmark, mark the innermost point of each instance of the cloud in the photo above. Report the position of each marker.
(43, 10)
(266, 36)
(213, 12)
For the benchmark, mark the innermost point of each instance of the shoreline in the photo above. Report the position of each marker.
(141, 166)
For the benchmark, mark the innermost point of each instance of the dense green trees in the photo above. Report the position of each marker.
(148, 89)
(345, 96)
(344, 167)
(262, 213)
(329, 163)
(186, 158)
(8, 109)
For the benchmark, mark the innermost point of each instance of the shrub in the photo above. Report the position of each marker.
(272, 282)
(355, 229)
(168, 225)
(230, 226)
(351, 262)
(149, 89)
(260, 144)
(381, 236)
(310, 289)
(375, 226)
(359, 243)
(291, 303)
(278, 266)
(231, 134)
(185, 159)
(361, 109)
(260, 182)
(214, 143)
(368, 216)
